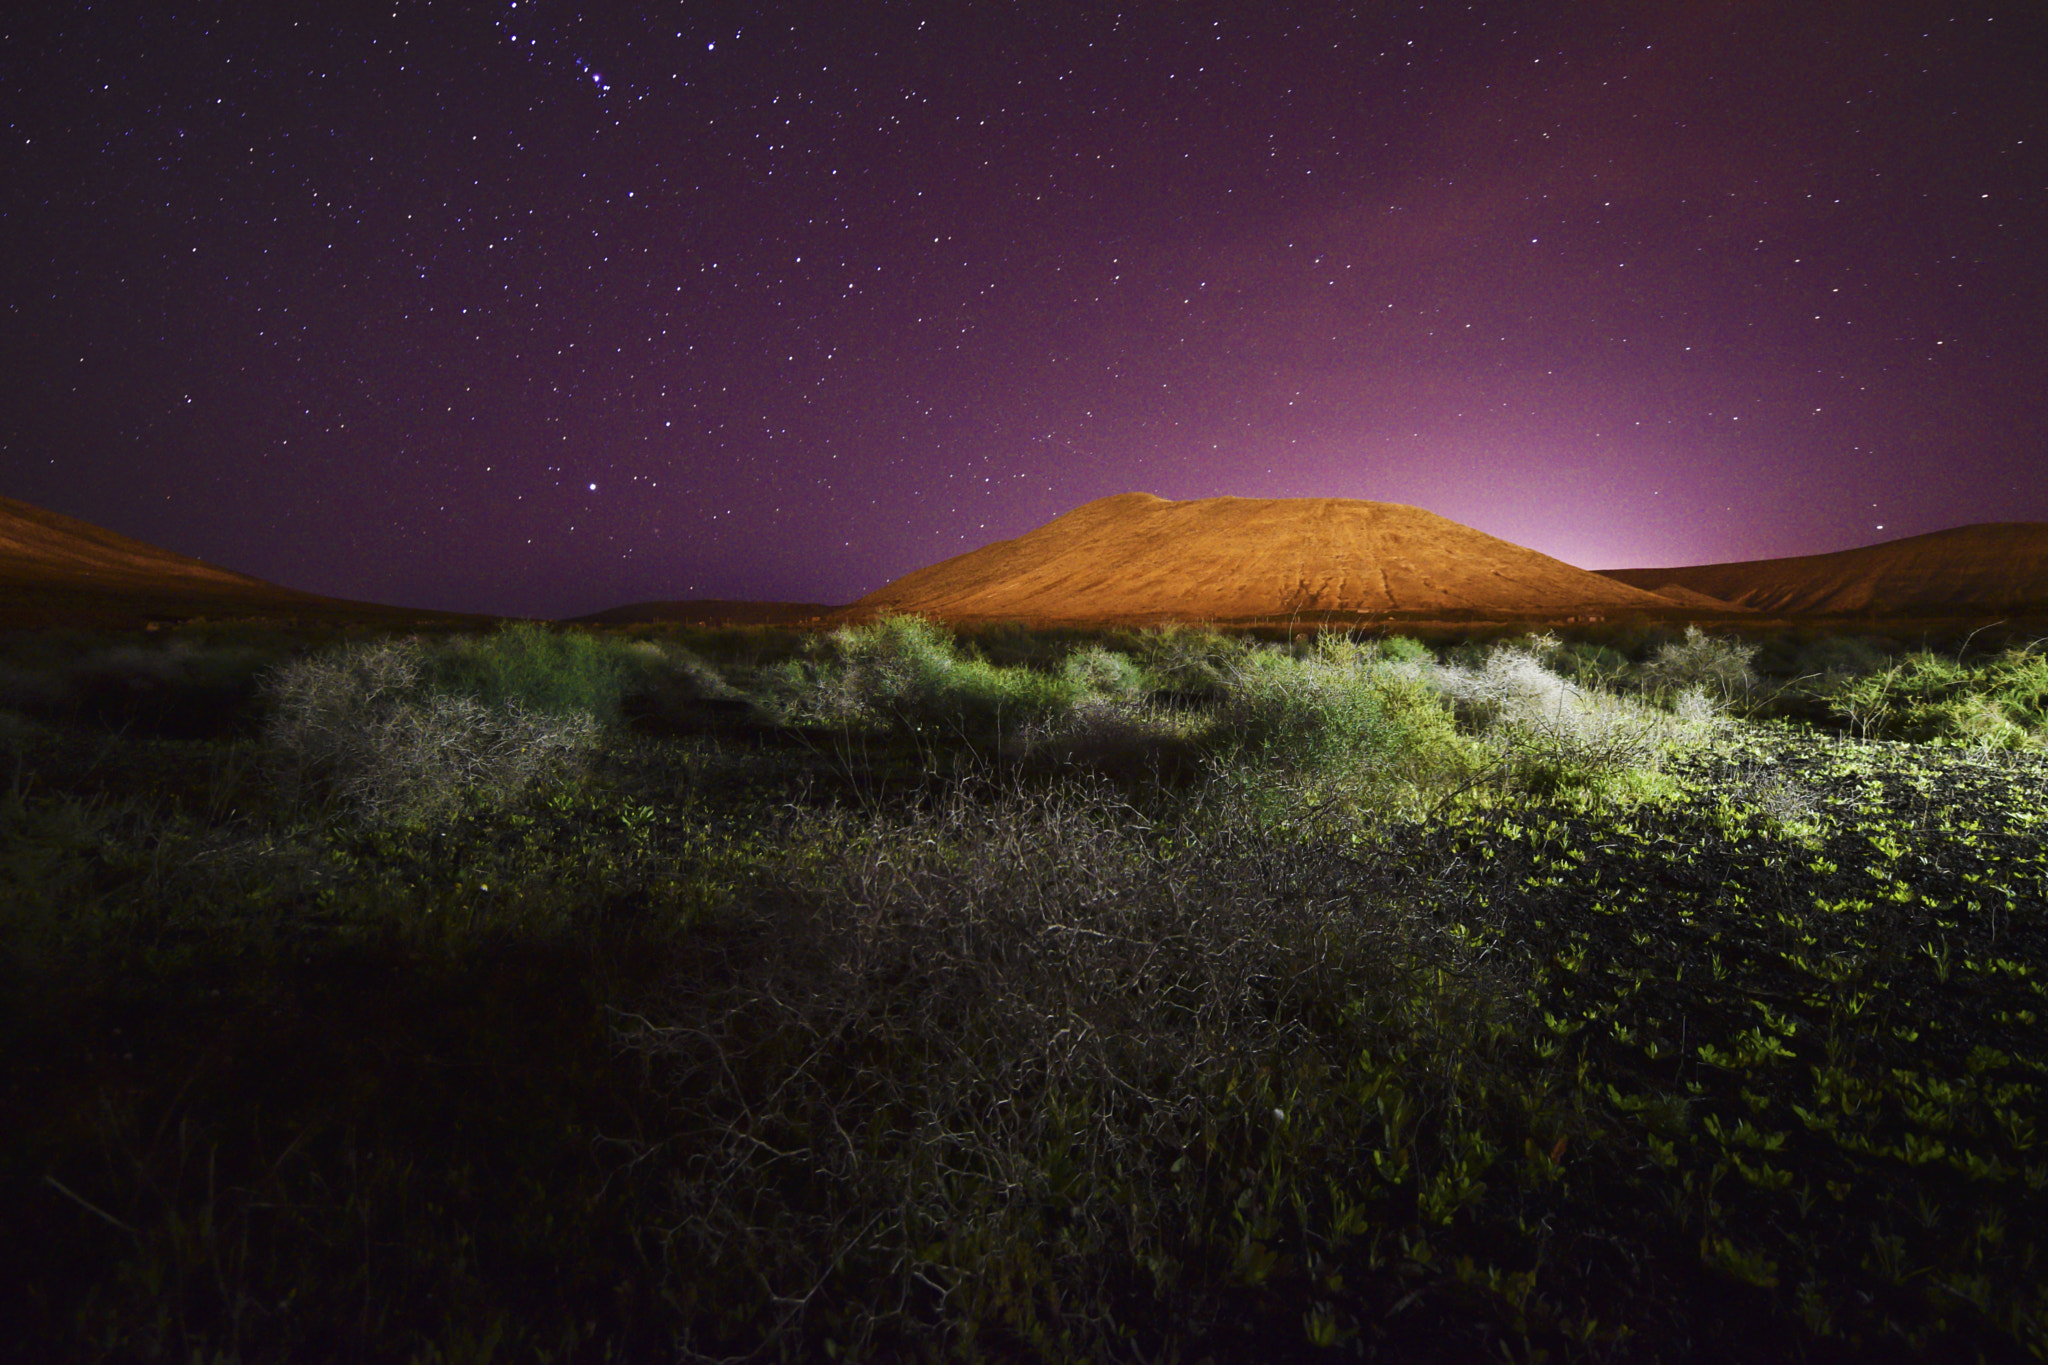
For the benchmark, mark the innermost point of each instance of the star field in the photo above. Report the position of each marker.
(539, 307)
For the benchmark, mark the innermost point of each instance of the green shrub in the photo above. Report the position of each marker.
(1012, 644)
(1096, 671)
(905, 673)
(1998, 704)
(555, 673)
(1334, 729)
(2019, 682)
(366, 726)
(1188, 662)
(1402, 649)
(1591, 664)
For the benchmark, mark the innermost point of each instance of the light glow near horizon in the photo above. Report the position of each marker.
(632, 311)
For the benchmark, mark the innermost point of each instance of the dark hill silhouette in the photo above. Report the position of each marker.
(1136, 557)
(1991, 569)
(57, 570)
(711, 611)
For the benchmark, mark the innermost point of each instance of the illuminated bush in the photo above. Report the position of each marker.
(556, 673)
(1337, 729)
(1546, 734)
(905, 673)
(364, 726)
(1098, 672)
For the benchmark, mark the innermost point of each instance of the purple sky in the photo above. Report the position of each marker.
(537, 309)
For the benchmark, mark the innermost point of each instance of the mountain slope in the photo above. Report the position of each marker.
(1137, 557)
(43, 548)
(1993, 568)
(58, 570)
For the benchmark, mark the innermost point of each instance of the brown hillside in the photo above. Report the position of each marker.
(43, 548)
(1992, 569)
(58, 570)
(1135, 557)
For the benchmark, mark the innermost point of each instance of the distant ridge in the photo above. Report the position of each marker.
(712, 611)
(1136, 557)
(58, 571)
(1997, 568)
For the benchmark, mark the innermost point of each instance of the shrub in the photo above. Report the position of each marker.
(2018, 680)
(1547, 735)
(1187, 662)
(1402, 649)
(1018, 1072)
(2000, 704)
(364, 725)
(555, 673)
(1591, 664)
(1974, 720)
(1334, 728)
(1099, 672)
(1718, 665)
(904, 673)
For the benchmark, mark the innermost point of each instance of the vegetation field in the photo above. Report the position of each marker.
(1130, 996)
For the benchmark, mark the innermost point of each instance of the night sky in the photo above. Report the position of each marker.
(540, 308)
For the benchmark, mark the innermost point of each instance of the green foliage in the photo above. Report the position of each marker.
(2001, 703)
(559, 673)
(1548, 736)
(1099, 672)
(933, 1045)
(907, 673)
(1402, 649)
(1335, 729)
(1591, 664)
(1188, 662)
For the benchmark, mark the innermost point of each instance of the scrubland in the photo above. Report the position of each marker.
(1166, 995)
